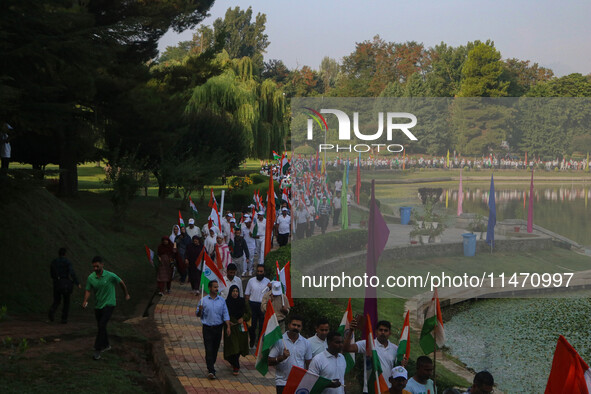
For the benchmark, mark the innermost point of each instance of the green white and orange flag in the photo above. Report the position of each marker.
(270, 334)
(345, 325)
(193, 208)
(211, 272)
(375, 379)
(432, 334)
(150, 255)
(284, 276)
(181, 221)
(276, 156)
(303, 381)
(404, 343)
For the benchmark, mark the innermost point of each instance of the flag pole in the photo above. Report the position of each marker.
(222, 205)
(435, 358)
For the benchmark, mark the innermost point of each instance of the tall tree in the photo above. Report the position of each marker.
(482, 73)
(244, 37)
(62, 61)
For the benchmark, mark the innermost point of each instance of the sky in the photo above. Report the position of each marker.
(551, 33)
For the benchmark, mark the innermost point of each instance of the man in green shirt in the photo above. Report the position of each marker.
(102, 283)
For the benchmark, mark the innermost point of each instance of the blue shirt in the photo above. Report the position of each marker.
(215, 311)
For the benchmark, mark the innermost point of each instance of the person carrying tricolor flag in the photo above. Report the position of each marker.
(284, 276)
(270, 334)
(211, 273)
(331, 364)
(386, 351)
(213, 312)
(290, 350)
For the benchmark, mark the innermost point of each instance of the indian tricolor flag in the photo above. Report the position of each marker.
(284, 164)
(404, 343)
(432, 334)
(284, 276)
(211, 272)
(214, 217)
(181, 221)
(375, 379)
(276, 156)
(570, 373)
(345, 325)
(270, 334)
(150, 254)
(193, 207)
(302, 381)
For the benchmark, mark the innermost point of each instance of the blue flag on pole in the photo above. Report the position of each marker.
(492, 214)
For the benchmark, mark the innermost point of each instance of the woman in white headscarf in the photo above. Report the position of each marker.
(175, 233)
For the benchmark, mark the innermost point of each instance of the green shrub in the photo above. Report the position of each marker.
(258, 178)
(311, 309)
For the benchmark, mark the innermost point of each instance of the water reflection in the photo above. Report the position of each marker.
(562, 209)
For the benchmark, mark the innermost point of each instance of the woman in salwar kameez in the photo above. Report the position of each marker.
(236, 344)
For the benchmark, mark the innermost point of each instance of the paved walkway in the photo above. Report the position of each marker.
(183, 344)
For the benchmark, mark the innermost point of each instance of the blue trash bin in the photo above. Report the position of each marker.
(469, 244)
(405, 215)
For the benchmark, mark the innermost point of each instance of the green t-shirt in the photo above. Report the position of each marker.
(104, 288)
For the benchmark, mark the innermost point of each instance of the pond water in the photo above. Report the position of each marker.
(563, 208)
(514, 339)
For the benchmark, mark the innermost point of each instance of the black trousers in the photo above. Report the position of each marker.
(310, 230)
(57, 298)
(323, 223)
(301, 230)
(102, 318)
(258, 319)
(282, 239)
(212, 337)
(336, 216)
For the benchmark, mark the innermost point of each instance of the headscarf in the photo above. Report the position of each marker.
(172, 234)
(236, 306)
(165, 249)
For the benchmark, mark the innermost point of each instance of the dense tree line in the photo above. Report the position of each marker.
(82, 80)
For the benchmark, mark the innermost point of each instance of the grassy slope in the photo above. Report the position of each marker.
(35, 224)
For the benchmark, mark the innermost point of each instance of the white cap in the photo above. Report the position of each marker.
(247, 220)
(399, 372)
(283, 209)
(261, 213)
(276, 288)
(232, 220)
(191, 221)
(229, 214)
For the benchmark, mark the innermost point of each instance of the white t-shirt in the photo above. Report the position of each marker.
(193, 231)
(299, 352)
(318, 345)
(284, 224)
(417, 388)
(262, 225)
(256, 289)
(330, 367)
(387, 355)
(247, 234)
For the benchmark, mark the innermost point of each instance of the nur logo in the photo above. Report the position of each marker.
(391, 120)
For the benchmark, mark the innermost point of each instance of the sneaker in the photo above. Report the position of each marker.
(160, 293)
(235, 371)
(243, 273)
(211, 376)
(97, 355)
(197, 292)
(106, 349)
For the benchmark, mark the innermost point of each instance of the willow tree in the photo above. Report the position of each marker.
(258, 107)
